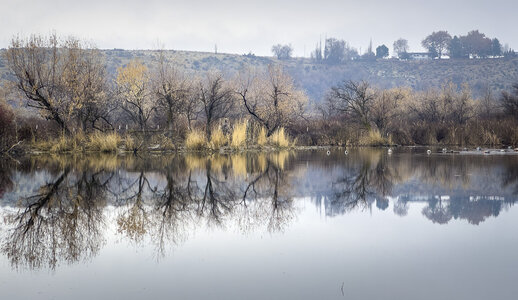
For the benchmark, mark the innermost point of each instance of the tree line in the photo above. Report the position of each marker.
(437, 44)
(66, 82)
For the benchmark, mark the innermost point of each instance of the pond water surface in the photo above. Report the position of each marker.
(286, 225)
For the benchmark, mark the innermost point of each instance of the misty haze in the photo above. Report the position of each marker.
(258, 150)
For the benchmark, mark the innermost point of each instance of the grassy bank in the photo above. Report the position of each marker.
(242, 137)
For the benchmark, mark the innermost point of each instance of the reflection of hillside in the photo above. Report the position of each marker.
(371, 176)
(59, 217)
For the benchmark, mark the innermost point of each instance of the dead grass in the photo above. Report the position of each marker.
(373, 138)
(103, 142)
(262, 140)
(195, 140)
(239, 135)
(218, 139)
(280, 139)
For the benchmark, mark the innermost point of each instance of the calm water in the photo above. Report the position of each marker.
(289, 225)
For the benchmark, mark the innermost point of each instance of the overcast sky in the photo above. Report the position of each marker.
(243, 26)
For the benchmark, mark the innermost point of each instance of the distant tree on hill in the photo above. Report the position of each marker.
(401, 47)
(476, 44)
(456, 49)
(437, 42)
(382, 51)
(282, 51)
(316, 55)
(496, 47)
(369, 55)
(334, 51)
(510, 53)
(338, 51)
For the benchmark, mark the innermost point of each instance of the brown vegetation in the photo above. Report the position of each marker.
(157, 107)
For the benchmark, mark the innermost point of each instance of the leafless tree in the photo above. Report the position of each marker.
(510, 102)
(38, 65)
(134, 94)
(353, 99)
(173, 91)
(271, 98)
(216, 98)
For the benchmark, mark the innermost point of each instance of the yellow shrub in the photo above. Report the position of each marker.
(103, 142)
(261, 138)
(129, 142)
(66, 144)
(195, 140)
(60, 145)
(373, 138)
(217, 139)
(239, 135)
(280, 139)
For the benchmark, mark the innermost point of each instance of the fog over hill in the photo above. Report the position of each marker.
(494, 74)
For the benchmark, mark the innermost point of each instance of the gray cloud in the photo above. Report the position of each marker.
(242, 26)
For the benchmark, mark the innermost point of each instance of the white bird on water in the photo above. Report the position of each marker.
(346, 152)
(328, 152)
(389, 151)
(428, 151)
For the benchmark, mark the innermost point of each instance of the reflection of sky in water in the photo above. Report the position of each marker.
(383, 247)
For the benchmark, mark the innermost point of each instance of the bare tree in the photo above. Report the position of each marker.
(216, 98)
(133, 89)
(353, 99)
(510, 102)
(271, 98)
(38, 66)
(386, 108)
(172, 89)
(85, 82)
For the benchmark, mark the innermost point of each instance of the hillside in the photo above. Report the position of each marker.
(497, 74)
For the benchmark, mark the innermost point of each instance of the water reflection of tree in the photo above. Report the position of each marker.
(161, 201)
(216, 199)
(133, 218)
(269, 197)
(362, 182)
(63, 222)
(475, 212)
(437, 211)
(6, 183)
(172, 213)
